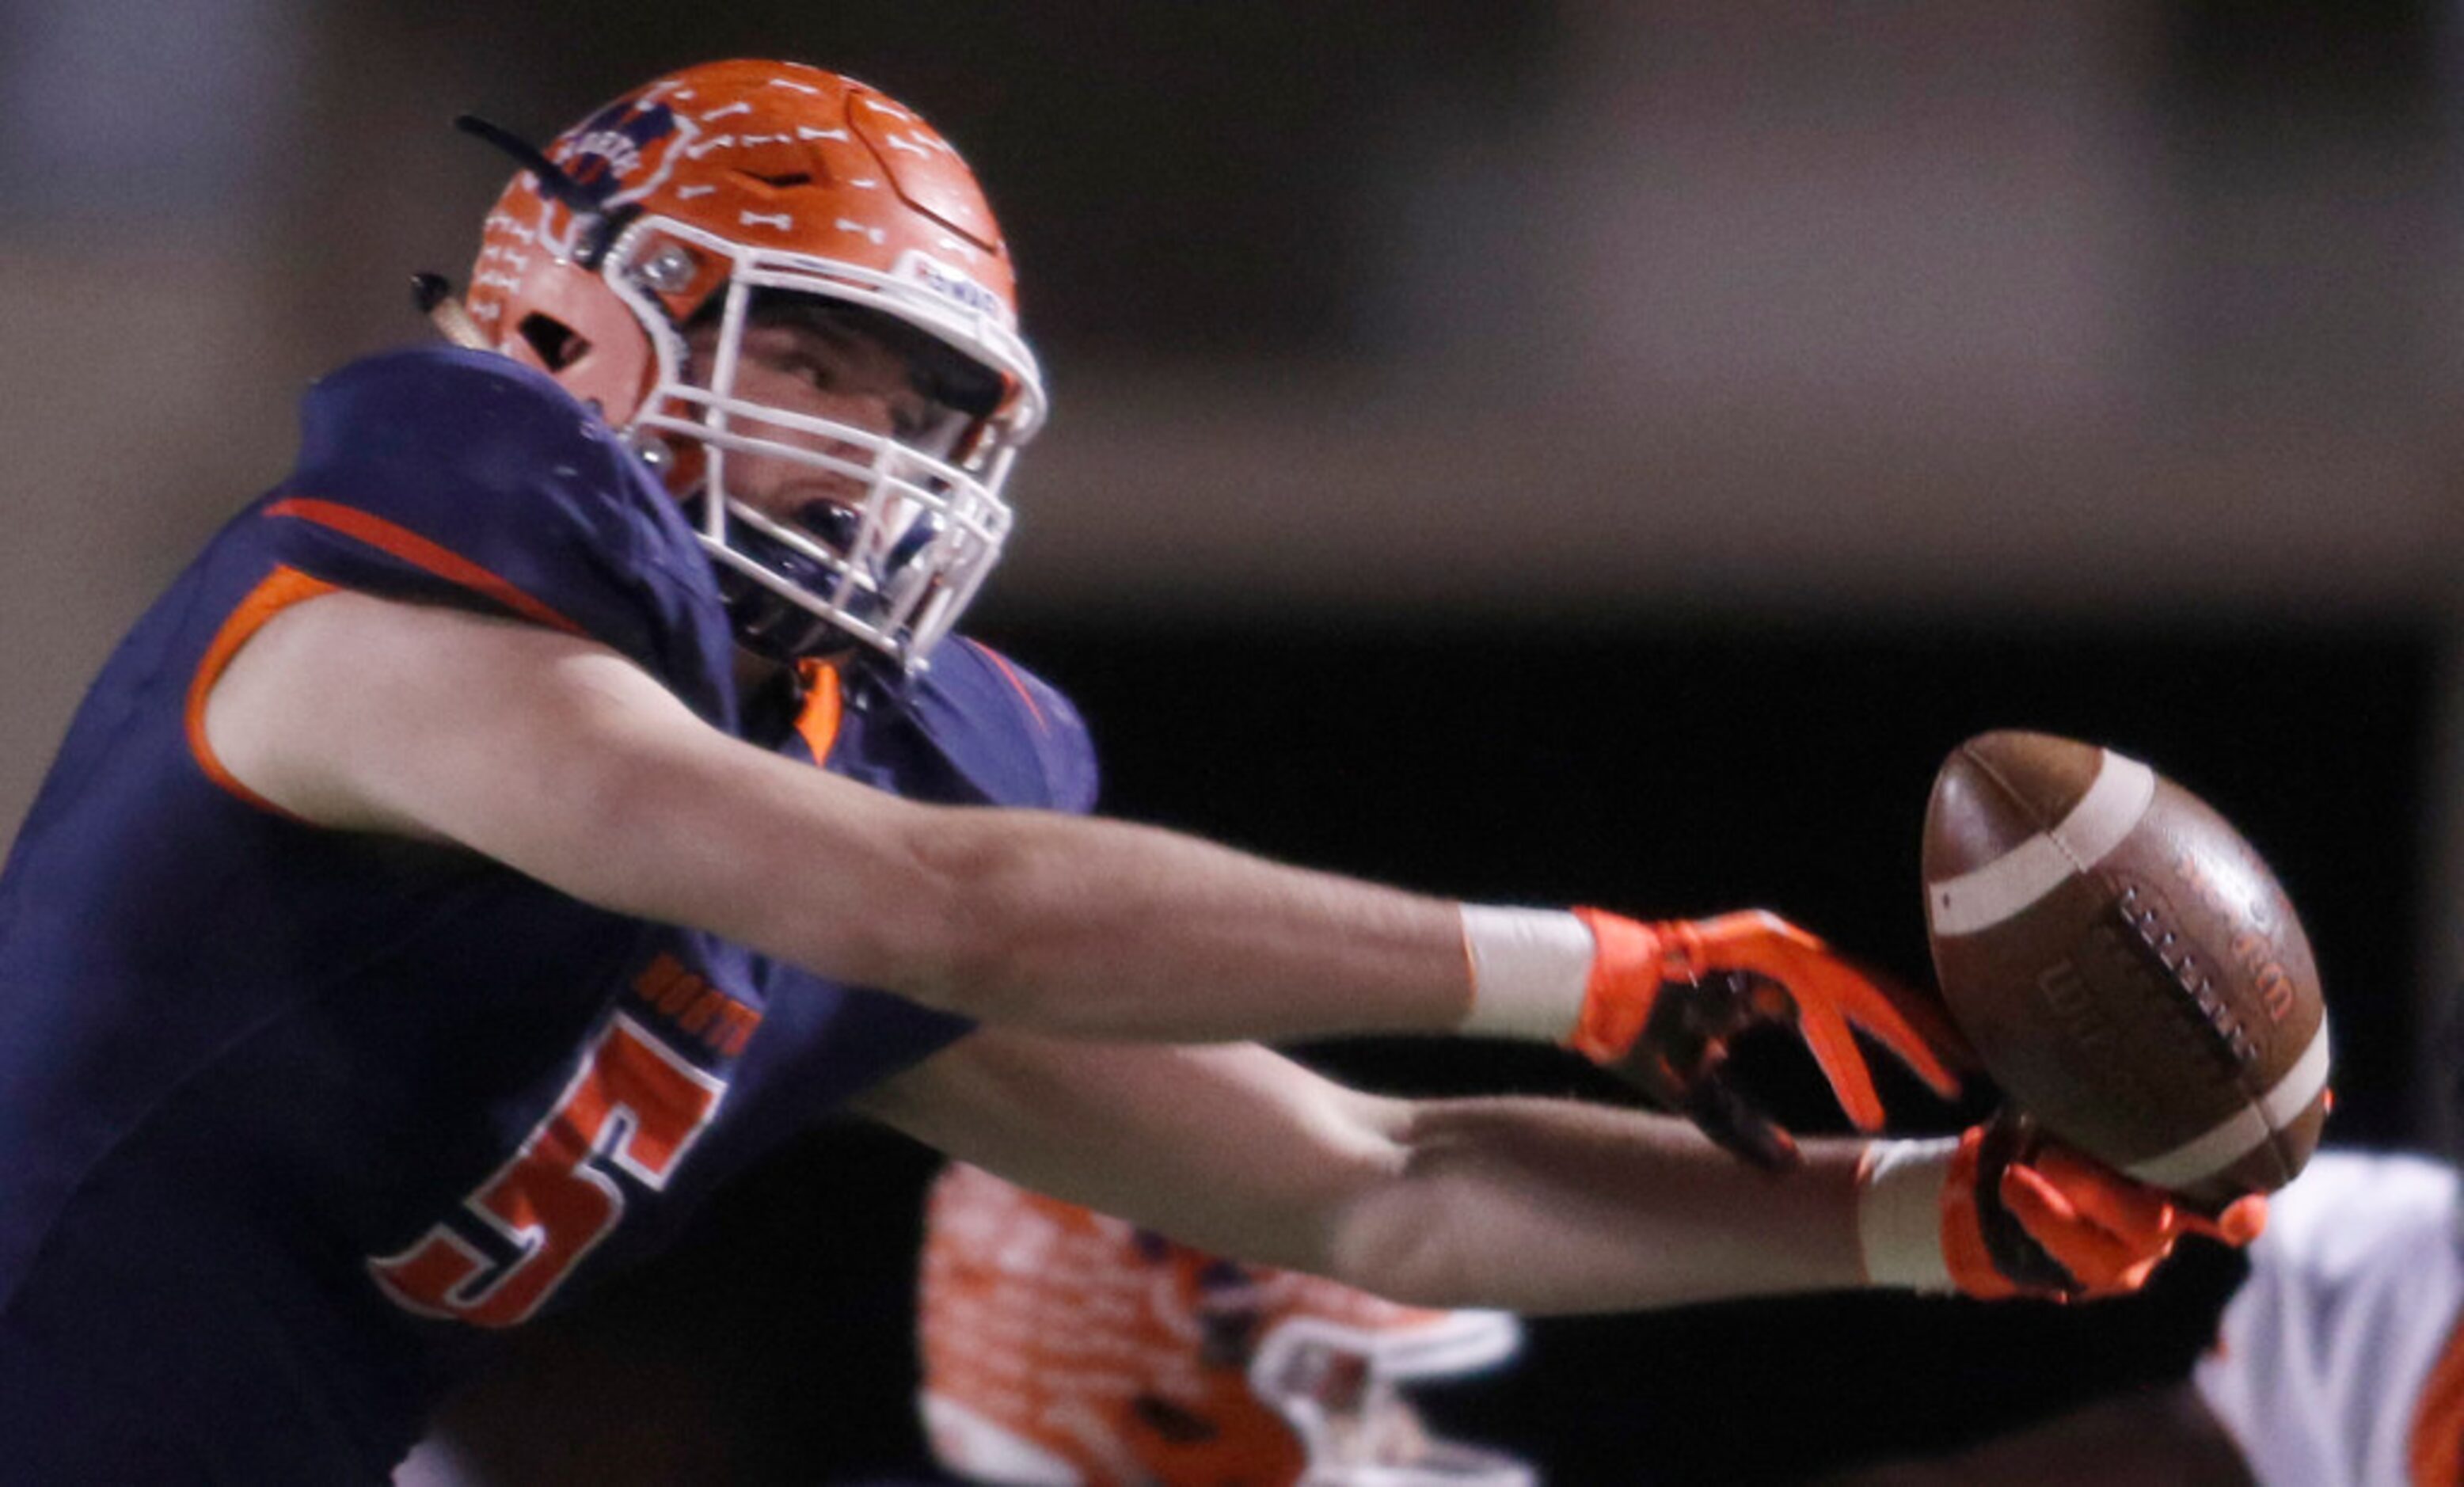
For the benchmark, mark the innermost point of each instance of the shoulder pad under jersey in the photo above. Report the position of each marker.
(1010, 732)
(444, 475)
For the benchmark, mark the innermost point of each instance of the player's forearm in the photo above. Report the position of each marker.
(1025, 919)
(1099, 928)
(1034, 920)
(1537, 1205)
(1549, 1205)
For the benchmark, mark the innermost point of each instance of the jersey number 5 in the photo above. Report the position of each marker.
(634, 1105)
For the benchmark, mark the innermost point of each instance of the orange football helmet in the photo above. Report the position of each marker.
(1065, 1348)
(701, 193)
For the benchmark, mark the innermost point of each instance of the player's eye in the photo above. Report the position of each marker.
(936, 429)
(816, 369)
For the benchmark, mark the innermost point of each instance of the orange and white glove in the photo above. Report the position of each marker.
(1659, 1004)
(2005, 1211)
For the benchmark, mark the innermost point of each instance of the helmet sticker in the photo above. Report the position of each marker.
(609, 145)
(952, 284)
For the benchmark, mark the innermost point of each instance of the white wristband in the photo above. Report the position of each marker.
(1898, 1211)
(1529, 969)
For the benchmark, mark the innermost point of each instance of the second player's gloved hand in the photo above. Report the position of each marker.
(2005, 1211)
(1664, 1000)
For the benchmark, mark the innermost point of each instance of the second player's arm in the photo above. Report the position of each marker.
(1536, 1205)
(560, 758)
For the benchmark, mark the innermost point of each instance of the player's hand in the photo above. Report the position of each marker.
(1664, 1000)
(2024, 1214)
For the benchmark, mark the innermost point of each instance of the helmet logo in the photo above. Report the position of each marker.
(608, 146)
(954, 285)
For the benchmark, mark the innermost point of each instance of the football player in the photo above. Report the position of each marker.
(569, 782)
(2339, 1363)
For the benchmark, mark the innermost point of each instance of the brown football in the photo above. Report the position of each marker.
(2126, 967)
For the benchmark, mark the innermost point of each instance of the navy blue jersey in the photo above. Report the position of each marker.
(293, 1121)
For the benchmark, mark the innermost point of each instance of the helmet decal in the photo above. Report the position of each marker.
(606, 150)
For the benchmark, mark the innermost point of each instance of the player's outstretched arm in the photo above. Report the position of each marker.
(1536, 1205)
(560, 758)
(1526, 1204)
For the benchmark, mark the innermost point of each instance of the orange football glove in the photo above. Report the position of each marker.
(1664, 999)
(2024, 1214)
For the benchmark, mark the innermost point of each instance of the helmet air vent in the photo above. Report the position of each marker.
(554, 342)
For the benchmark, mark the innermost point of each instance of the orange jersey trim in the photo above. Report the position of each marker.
(1001, 662)
(818, 719)
(412, 548)
(2437, 1454)
(276, 593)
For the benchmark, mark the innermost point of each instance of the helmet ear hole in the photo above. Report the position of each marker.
(556, 345)
(1181, 1426)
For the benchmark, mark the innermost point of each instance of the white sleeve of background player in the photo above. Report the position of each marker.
(2339, 1357)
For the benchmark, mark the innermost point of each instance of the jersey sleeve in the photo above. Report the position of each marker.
(441, 475)
(2339, 1359)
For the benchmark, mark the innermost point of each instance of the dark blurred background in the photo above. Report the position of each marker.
(1575, 449)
